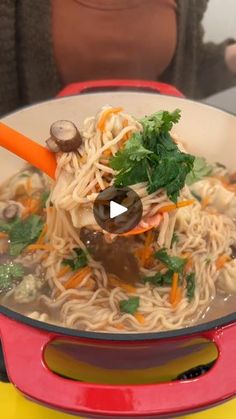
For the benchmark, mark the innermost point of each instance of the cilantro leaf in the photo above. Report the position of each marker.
(129, 306)
(191, 285)
(78, 262)
(161, 121)
(8, 272)
(159, 279)
(174, 263)
(200, 169)
(152, 156)
(22, 232)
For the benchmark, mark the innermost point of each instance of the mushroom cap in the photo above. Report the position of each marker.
(63, 130)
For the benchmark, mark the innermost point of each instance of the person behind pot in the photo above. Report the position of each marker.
(47, 44)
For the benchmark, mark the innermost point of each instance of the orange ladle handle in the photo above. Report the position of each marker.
(29, 150)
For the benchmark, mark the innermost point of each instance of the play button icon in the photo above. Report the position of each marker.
(117, 210)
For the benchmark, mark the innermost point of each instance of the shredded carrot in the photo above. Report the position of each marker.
(3, 235)
(42, 235)
(221, 261)
(178, 297)
(107, 153)
(77, 278)
(173, 292)
(147, 250)
(36, 246)
(137, 231)
(29, 186)
(189, 264)
(173, 207)
(205, 202)
(63, 271)
(140, 317)
(32, 205)
(105, 116)
(118, 283)
(119, 326)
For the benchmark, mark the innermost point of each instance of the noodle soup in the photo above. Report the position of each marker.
(175, 269)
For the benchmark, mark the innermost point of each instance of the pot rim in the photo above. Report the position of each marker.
(123, 337)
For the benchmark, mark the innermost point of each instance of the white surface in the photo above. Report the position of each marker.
(116, 209)
(220, 20)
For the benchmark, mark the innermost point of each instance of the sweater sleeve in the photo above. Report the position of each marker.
(212, 74)
(198, 68)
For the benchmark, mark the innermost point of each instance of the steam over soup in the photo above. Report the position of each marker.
(175, 269)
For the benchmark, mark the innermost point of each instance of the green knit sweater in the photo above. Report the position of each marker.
(28, 72)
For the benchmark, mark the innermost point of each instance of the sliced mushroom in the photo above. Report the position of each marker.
(10, 212)
(64, 137)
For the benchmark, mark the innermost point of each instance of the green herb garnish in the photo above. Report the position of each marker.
(200, 169)
(129, 306)
(175, 239)
(174, 263)
(44, 197)
(191, 285)
(159, 279)
(8, 272)
(152, 156)
(78, 262)
(22, 232)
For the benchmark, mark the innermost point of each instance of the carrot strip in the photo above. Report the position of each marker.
(119, 326)
(118, 283)
(137, 231)
(188, 265)
(173, 207)
(105, 116)
(178, 297)
(107, 153)
(63, 271)
(205, 202)
(139, 317)
(174, 287)
(42, 235)
(221, 261)
(36, 246)
(147, 250)
(3, 235)
(77, 278)
(32, 206)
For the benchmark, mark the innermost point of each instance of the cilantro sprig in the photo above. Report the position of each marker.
(173, 264)
(78, 262)
(129, 306)
(22, 232)
(152, 156)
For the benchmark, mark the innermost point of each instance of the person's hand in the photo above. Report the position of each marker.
(230, 57)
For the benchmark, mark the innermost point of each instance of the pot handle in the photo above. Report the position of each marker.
(123, 85)
(23, 348)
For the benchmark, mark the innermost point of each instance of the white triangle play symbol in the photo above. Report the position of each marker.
(116, 209)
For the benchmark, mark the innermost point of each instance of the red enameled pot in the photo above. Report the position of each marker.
(210, 132)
